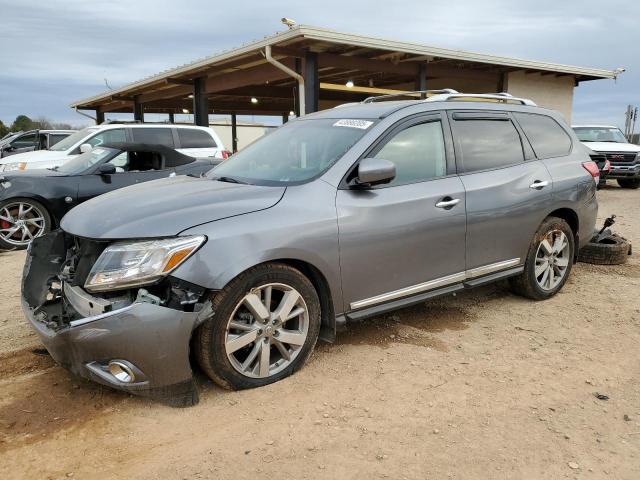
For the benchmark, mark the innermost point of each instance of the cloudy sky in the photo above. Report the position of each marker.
(54, 52)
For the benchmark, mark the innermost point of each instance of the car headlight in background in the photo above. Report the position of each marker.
(12, 167)
(132, 264)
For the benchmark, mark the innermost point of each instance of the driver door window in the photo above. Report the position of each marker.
(418, 153)
(121, 162)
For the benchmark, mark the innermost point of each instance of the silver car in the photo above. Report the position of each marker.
(340, 215)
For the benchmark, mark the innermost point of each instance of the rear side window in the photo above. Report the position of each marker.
(547, 137)
(157, 136)
(115, 135)
(25, 141)
(417, 152)
(53, 139)
(484, 144)
(194, 138)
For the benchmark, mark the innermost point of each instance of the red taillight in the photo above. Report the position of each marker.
(592, 168)
(225, 154)
(607, 166)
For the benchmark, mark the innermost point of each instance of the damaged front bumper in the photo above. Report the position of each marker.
(131, 344)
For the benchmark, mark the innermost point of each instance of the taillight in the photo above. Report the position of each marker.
(607, 166)
(592, 168)
(225, 154)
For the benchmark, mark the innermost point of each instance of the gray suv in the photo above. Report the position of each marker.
(343, 214)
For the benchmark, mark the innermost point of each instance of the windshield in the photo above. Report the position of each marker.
(600, 134)
(294, 153)
(82, 162)
(71, 140)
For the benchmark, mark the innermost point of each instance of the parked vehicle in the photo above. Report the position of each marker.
(34, 202)
(611, 142)
(342, 214)
(604, 165)
(32, 140)
(188, 139)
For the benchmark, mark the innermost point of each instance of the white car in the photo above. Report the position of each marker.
(191, 140)
(610, 142)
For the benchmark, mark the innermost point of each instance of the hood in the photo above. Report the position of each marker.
(35, 173)
(35, 156)
(612, 147)
(165, 207)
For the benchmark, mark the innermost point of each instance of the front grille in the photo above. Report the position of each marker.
(621, 157)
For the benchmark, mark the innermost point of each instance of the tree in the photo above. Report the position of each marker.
(41, 123)
(22, 123)
(3, 129)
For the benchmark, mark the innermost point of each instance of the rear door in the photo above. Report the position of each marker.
(508, 190)
(408, 236)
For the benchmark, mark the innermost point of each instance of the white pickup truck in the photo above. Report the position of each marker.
(611, 143)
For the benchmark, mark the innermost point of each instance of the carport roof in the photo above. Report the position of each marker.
(357, 49)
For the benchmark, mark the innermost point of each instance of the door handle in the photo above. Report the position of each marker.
(447, 202)
(539, 185)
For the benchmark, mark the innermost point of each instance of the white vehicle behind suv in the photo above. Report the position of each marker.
(188, 139)
(611, 144)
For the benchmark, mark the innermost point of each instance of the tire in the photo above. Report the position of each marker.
(528, 284)
(601, 183)
(214, 336)
(35, 217)
(633, 183)
(614, 250)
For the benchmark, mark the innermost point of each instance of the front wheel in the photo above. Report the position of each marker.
(633, 183)
(548, 262)
(265, 325)
(22, 220)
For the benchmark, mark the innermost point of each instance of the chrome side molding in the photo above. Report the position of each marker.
(437, 283)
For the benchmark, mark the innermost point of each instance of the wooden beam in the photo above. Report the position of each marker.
(250, 76)
(172, 92)
(121, 98)
(356, 89)
(178, 81)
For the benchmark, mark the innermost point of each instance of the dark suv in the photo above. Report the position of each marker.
(342, 214)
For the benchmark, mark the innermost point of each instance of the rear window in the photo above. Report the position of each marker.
(547, 137)
(484, 144)
(157, 136)
(194, 138)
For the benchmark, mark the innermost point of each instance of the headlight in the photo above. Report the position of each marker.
(12, 167)
(129, 264)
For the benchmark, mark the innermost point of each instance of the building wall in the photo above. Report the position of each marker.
(247, 132)
(546, 90)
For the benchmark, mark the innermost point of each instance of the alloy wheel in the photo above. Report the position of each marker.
(552, 260)
(21, 222)
(267, 330)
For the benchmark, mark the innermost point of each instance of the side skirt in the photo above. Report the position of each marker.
(421, 297)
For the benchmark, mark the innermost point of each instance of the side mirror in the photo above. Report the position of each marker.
(374, 171)
(85, 147)
(106, 169)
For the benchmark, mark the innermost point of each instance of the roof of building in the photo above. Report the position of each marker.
(340, 53)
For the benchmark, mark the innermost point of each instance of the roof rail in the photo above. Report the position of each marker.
(500, 97)
(407, 94)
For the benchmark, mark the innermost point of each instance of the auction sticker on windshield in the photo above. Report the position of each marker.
(361, 124)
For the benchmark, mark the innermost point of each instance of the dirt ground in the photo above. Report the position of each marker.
(484, 385)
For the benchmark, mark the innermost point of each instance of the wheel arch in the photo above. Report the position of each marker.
(321, 284)
(571, 217)
(38, 198)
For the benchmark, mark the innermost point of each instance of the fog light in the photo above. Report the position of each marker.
(121, 371)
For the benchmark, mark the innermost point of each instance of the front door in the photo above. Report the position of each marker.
(131, 168)
(508, 190)
(408, 236)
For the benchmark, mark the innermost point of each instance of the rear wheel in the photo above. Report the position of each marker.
(548, 262)
(629, 182)
(22, 220)
(265, 325)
